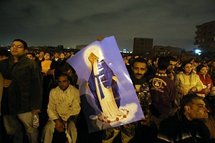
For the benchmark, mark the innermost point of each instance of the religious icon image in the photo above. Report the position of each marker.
(108, 97)
(103, 84)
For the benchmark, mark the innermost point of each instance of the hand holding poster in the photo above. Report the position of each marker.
(107, 94)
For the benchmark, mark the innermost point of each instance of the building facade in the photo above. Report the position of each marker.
(205, 36)
(142, 46)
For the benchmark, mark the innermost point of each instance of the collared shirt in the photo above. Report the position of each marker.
(63, 104)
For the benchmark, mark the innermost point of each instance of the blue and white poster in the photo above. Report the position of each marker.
(108, 97)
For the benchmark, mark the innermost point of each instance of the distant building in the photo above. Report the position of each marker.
(166, 50)
(142, 46)
(205, 36)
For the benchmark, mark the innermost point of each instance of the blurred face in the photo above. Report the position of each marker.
(17, 49)
(30, 56)
(63, 82)
(41, 54)
(139, 69)
(203, 70)
(171, 66)
(47, 56)
(62, 56)
(213, 64)
(197, 109)
(188, 68)
(56, 55)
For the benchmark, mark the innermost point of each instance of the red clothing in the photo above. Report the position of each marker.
(207, 82)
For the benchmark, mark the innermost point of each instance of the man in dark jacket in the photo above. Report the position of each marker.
(163, 92)
(187, 125)
(23, 85)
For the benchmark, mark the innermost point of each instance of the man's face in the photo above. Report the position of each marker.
(56, 55)
(139, 69)
(17, 49)
(63, 82)
(30, 56)
(197, 109)
(47, 56)
(41, 54)
(171, 66)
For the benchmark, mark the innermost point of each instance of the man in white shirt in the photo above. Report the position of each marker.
(63, 108)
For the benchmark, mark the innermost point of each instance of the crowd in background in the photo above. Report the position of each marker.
(160, 83)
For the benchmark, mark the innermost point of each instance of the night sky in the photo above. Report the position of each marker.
(74, 22)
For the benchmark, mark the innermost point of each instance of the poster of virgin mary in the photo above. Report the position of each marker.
(108, 98)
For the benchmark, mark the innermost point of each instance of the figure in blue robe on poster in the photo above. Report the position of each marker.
(107, 93)
(103, 85)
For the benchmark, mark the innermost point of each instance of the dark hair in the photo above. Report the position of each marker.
(184, 63)
(163, 63)
(141, 60)
(187, 99)
(62, 74)
(171, 58)
(25, 45)
(199, 67)
(31, 53)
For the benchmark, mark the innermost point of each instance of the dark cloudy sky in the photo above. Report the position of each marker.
(73, 22)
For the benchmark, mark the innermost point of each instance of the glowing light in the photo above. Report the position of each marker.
(198, 51)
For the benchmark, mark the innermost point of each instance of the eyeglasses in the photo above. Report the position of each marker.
(200, 106)
(16, 46)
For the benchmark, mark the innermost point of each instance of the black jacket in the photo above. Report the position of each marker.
(177, 129)
(25, 90)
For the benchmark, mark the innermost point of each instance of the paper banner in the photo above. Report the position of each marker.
(108, 98)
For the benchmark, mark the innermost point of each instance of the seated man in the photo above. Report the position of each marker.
(187, 125)
(63, 108)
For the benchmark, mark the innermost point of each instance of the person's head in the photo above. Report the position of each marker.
(18, 47)
(172, 63)
(139, 67)
(62, 56)
(63, 81)
(47, 56)
(194, 107)
(187, 67)
(202, 69)
(163, 63)
(41, 54)
(56, 55)
(212, 63)
(31, 55)
(67, 69)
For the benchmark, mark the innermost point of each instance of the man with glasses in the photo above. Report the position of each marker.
(187, 125)
(22, 87)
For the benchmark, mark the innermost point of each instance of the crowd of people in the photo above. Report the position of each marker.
(40, 101)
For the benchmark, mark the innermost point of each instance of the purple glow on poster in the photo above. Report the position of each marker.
(107, 94)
